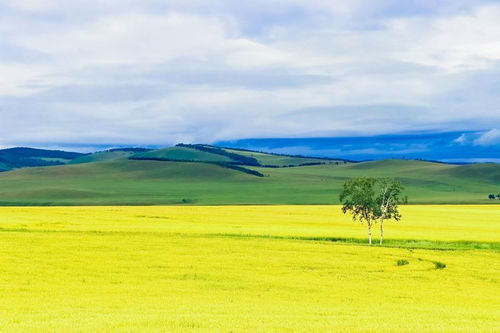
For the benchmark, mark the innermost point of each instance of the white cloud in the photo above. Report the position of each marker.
(490, 138)
(130, 39)
(462, 139)
(19, 80)
(125, 71)
(455, 43)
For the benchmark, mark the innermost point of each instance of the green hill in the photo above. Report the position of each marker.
(485, 171)
(181, 153)
(118, 182)
(213, 154)
(124, 181)
(281, 160)
(108, 155)
(21, 157)
(15, 158)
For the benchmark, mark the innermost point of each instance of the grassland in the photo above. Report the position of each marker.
(132, 182)
(103, 156)
(246, 268)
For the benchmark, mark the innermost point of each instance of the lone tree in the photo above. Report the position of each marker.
(389, 198)
(359, 199)
(369, 200)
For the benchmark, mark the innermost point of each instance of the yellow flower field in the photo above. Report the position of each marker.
(245, 268)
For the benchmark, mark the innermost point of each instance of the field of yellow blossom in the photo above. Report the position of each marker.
(247, 268)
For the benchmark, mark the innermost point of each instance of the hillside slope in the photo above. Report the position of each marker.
(281, 160)
(21, 157)
(213, 154)
(164, 182)
(180, 153)
(108, 155)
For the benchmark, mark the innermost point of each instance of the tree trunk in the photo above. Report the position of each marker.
(381, 231)
(369, 234)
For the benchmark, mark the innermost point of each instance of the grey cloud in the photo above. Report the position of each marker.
(99, 93)
(15, 54)
(121, 84)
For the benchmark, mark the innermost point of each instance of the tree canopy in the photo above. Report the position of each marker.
(359, 199)
(370, 200)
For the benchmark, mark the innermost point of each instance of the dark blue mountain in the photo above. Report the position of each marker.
(453, 147)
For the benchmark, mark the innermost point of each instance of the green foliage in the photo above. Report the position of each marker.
(402, 262)
(359, 199)
(371, 199)
(439, 265)
(389, 198)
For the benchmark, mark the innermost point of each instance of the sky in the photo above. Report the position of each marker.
(105, 73)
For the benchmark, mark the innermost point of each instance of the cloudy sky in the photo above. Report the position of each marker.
(151, 72)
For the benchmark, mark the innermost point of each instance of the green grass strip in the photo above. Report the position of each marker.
(392, 243)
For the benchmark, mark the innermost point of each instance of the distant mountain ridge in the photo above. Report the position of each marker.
(15, 158)
(226, 156)
(450, 147)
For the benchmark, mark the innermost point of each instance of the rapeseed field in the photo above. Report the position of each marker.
(247, 268)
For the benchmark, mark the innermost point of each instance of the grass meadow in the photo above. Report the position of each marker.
(132, 182)
(247, 268)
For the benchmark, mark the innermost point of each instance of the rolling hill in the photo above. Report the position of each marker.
(21, 157)
(221, 155)
(183, 153)
(108, 155)
(211, 175)
(281, 160)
